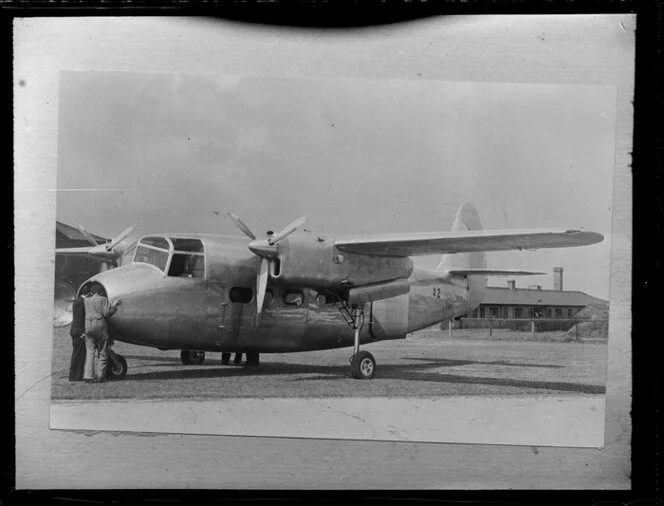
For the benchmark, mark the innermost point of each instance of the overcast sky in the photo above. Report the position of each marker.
(165, 151)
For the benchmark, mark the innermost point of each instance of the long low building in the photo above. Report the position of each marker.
(511, 302)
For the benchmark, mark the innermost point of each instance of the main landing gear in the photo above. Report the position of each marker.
(362, 363)
(192, 357)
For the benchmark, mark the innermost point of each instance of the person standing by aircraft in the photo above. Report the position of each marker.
(253, 359)
(97, 310)
(226, 358)
(77, 333)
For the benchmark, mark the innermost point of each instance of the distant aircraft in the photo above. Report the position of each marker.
(305, 291)
(68, 277)
(109, 252)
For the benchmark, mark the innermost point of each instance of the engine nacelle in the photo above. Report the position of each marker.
(379, 291)
(313, 260)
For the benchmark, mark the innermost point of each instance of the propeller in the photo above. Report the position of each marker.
(87, 235)
(121, 237)
(267, 250)
(106, 250)
(261, 287)
(240, 224)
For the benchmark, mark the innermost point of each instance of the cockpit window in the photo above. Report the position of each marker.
(187, 266)
(188, 245)
(157, 242)
(152, 256)
(187, 260)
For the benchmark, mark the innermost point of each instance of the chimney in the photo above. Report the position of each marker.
(511, 284)
(558, 278)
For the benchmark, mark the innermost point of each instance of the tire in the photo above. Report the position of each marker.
(119, 369)
(192, 357)
(362, 365)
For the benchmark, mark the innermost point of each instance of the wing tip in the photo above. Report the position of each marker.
(586, 236)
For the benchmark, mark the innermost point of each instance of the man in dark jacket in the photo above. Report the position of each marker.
(76, 332)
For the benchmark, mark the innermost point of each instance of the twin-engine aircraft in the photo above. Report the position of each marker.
(305, 291)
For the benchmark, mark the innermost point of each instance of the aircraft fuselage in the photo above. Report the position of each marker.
(217, 312)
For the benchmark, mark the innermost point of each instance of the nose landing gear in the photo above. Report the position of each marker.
(117, 365)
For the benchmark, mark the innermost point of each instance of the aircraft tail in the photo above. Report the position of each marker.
(466, 219)
(464, 263)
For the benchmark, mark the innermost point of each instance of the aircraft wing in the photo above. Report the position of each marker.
(431, 243)
(92, 251)
(76, 251)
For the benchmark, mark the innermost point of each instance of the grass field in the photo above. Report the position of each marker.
(427, 364)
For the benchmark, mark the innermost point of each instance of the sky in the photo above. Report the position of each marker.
(167, 151)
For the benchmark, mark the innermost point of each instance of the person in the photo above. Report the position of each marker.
(253, 359)
(226, 358)
(97, 310)
(77, 331)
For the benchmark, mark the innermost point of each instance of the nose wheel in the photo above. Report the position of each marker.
(118, 365)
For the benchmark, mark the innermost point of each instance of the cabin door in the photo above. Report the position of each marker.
(236, 318)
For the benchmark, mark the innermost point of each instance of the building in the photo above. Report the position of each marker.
(533, 302)
(74, 269)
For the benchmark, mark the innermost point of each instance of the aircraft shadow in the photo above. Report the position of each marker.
(445, 362)
(420, 372)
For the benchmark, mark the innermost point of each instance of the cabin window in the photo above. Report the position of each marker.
(269, 297)
(493, 312)
(241, 294)
(549, 312)
(293, 298)
(559, 312)
(151, 256)
(518, 312)
(482, 312)
(187, 266)
(570, 312)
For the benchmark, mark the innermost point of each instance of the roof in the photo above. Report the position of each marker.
(75, 234)
(535, 297)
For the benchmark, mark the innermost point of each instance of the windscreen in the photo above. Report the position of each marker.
(153, 251)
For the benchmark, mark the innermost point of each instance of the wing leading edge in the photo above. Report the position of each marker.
(431, 243)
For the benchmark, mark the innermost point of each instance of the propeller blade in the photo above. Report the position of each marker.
(261, 287)
(121, 237)
(240, 224)
(288, 230)
(87, 235)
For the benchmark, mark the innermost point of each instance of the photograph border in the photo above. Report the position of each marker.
(643, 150)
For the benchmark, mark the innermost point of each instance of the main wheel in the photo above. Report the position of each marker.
(192, 357)
(118, 367)
(362, 365)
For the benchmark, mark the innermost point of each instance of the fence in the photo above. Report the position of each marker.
(577, 327)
